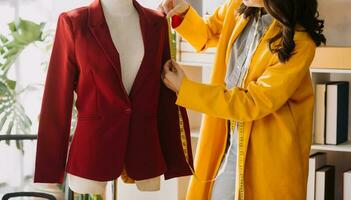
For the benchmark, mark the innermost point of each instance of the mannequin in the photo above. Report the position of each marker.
(110, 54)
(123, 21)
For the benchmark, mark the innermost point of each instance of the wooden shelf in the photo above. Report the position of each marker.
(330, 71)
(332, 58)
(191, 64)
(344, 147)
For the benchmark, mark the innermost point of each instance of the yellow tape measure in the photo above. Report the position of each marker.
(173, 53)
(183, 137)
(185, 148)
(172, 45)
(172, 41)
(241, 157)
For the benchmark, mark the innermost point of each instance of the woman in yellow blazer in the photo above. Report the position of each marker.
(274, 106)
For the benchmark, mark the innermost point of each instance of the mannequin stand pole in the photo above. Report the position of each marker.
(114, 189)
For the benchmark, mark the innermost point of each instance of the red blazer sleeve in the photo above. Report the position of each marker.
(169, 129)
(56, 108)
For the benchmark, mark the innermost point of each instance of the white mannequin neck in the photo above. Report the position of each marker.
(116, 8)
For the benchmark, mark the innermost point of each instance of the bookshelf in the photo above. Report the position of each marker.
(344, 147)
(334, 64)
(330, 71)
(332, 59)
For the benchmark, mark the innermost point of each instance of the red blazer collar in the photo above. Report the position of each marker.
(97, 17)
(99, 28)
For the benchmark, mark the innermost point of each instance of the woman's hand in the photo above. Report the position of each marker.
(173, 75)
(174, 7)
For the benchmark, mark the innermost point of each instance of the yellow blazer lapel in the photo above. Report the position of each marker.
(271, 32)
(238, 28)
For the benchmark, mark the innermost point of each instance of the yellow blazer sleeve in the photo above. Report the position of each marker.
(262, 97)
(203, 33)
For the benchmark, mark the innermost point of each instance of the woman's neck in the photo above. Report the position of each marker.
(118, 7)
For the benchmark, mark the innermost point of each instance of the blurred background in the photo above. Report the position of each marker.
(28, 27)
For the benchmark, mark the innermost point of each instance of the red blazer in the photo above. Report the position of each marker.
(139, 132)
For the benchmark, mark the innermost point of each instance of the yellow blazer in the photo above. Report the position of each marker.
(274, 109)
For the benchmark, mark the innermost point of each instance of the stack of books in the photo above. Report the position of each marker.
(321, 178)
(331, 113)
(347, 185)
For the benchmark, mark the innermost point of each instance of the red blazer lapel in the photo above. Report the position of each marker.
(99, 28)
(101, 32)
(149, 29)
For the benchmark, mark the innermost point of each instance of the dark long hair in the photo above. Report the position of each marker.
(289, 14)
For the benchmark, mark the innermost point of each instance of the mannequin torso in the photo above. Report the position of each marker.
(124, 24)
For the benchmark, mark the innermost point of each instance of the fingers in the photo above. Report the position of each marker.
(169, 84)
(176, 65)
(177, 68)
(173, 7)
(167, 67)
(173, 12)
(172, 66)
(168, 72)
(166, 6)
(162, 75)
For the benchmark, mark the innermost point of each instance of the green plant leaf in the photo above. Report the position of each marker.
(11, 84)
(3, 89)
(27, 123)
(9, 128)
(23, 130)
(12, 26)
(13, 45)
(3, 38)
(22, 127)
(27, 32)
(4, 107)
(12, 114)
(10, 53)
(19, 143)
(3, 120)
(22, 120)
(8, 64)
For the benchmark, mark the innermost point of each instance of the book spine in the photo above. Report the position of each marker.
(342, 109)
